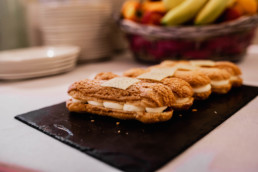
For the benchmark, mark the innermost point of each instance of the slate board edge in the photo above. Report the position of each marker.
(93, 153)
(73, 145)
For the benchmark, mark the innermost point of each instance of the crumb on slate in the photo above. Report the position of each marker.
(194, 110)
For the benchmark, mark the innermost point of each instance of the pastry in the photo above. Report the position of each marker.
(230, 67)
(220, 78)
(199, 82)
(233, 69)
(143, 101)
(182, 90)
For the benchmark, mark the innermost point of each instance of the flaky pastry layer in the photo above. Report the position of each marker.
(193, 78)
(105, 76)
(234, 70)
(142, 94)
(144, 117)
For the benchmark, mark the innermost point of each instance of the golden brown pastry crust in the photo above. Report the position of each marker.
(193, 78)
(233, 69)
(216, 74)
(202, 96)
(237, 82)
(105, 76)
(120, 114)
(221, 89)
(141, 94)
(221, 71)
(181, 89)
(229, 66)
(134, 72)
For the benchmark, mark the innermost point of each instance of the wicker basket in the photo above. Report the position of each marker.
(225, 41)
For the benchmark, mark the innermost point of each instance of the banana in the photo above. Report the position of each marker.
(169, 4)
(183, 12)
(211, 11)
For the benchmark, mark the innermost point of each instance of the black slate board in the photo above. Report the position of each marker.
(131, 145)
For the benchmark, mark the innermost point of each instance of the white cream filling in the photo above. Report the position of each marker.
(202, 89)
(155, 110)
(125, 107)
(113, 105)
(182, 100)
(128, 107)
(95, 103)
(76, 100)
(220, 83)
(234, 78)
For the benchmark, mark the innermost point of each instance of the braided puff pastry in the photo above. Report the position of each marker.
(233, 70)
(219, 78)
(199, 82)
(142, 101)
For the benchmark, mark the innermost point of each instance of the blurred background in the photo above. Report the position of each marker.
(25, 23)
(100, 29)
(88, 24)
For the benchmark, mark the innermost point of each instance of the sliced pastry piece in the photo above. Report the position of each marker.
(122, 97)
(220, 79)
(182, 90)
(234, 70)
(198, 81)
(231, 68)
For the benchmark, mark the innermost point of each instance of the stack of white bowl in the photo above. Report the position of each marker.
(84, 24)
(37, 61)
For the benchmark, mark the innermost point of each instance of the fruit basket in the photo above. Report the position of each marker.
(221, 41)
(227, 41)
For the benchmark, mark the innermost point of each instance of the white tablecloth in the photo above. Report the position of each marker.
(233, 146)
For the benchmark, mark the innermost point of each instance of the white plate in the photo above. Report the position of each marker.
(70, 15)
(37, 74)
(74, 40)
(78, 8)
(73, 28)
(38, 53)
(75, 20)
(13, 69)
